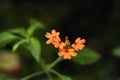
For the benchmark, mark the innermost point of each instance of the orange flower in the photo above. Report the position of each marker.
(53, 37)
(65, 48)
(59, 44)
(78, 44)
(67, 53)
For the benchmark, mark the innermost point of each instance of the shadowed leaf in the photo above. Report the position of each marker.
(86, 56)
(35, 48)
(6, 38)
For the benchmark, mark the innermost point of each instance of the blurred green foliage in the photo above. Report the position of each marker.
(6, 37)
(87, 57)
(97, 21)
(116, 52)
(25, 38)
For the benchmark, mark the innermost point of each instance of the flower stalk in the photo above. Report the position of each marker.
(46, 71)
(54, 63)
(33, 75)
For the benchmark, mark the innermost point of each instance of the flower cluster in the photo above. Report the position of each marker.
(65, 48)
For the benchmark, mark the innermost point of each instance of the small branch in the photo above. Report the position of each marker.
(45, 71)
(33, 75)
(54, 63)
(49, 76)
(57, 74)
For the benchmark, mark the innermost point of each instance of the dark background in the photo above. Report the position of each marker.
(98, 21)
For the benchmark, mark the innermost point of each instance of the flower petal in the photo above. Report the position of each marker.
(67, 56)
(83, 41)
(78, 39)
(73, 54)
(53, 31)
(48, 41)
(48, 35)
(60, 53)
(71, 50)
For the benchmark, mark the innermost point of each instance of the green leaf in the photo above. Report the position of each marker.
(116, 51)
(19, 31)
(86, 56)
(35, 48)
(34, 25)
(6, 38)
(64, 77)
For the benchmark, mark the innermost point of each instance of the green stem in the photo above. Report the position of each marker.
(45, 71)
(57, 74)
(54, 63)
(49, 76)
(15, 47)
(32, 75)
(42, 63)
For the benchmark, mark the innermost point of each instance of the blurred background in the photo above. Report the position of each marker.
(98, 21)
